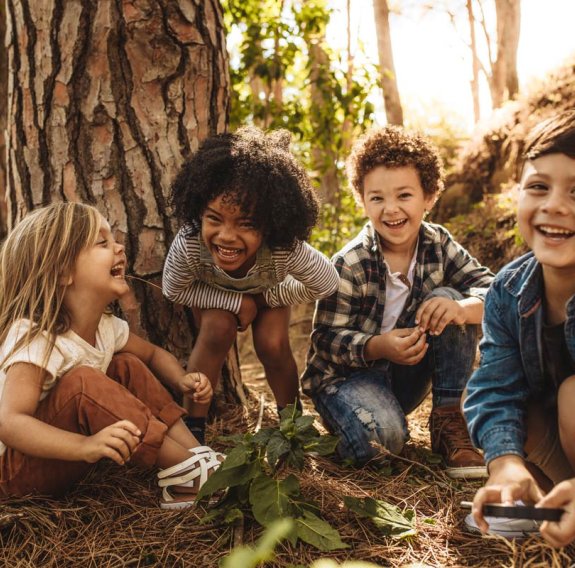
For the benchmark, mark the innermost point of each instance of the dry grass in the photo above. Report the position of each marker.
(112, 520)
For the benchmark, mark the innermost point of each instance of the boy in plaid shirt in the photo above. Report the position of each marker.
(404, 318)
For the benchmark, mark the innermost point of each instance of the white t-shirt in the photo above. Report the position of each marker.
(397, 289)
(69, 351)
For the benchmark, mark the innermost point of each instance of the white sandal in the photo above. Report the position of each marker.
(203, 463)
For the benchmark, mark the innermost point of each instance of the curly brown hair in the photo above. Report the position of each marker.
(256, 172)
(394, 147)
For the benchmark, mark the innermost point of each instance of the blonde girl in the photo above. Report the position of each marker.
(76, 386)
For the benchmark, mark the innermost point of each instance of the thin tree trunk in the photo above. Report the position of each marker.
(475, 63)
(504, 82)
(107, 99)
(393, 108)
(323, 158)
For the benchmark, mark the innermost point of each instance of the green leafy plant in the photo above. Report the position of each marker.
(250, 477)
(387, 517)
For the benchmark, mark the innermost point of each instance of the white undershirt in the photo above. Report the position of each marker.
(397, 288)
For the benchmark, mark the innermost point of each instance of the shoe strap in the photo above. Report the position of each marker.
(200, 469)
(182, 466)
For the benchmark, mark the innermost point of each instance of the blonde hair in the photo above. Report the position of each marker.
(35, 260)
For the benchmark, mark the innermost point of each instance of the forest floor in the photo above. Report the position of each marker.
(113, 520)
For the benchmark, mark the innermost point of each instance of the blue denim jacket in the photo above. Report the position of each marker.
(511, 367)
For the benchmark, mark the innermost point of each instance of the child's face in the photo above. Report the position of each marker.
(230, 236)
(546, 210)
(395, 203)
(99, 273)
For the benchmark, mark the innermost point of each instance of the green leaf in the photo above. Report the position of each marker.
(302, 423)
(387, 517)
(296, 458)
(323, 446)
(277, 446)
(318, 533)
(270, 498)
(240, 455)
(224, 478)
(262, 437)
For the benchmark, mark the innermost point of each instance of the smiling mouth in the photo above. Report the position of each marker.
(227, 253)
(556, 233)
(118, 270)
(395, 224)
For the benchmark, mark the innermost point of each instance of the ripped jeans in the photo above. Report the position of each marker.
(371, 404)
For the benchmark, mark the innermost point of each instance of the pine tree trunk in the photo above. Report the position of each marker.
(393, 108)
(106, 100)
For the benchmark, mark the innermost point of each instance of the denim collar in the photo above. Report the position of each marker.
(526, 284)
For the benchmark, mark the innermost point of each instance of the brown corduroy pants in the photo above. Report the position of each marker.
(85, 401)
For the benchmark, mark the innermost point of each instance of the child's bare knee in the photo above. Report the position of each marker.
(272, 349)
(220, 328)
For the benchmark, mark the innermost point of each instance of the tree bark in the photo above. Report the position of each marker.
(106, 100)
(3, 118)
(393, 108)
(475, 63)
(504, 82)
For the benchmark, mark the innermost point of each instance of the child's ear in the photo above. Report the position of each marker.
(430, 201)
(66, 279)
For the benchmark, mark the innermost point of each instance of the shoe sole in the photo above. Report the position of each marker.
(476, 472)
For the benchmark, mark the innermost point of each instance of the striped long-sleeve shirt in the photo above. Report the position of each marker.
(303, 275)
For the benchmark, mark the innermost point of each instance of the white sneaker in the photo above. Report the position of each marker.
(503, 526)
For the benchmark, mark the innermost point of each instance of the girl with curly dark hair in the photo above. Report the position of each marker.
(241, 256)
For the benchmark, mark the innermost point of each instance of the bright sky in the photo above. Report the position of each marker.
(432, 62)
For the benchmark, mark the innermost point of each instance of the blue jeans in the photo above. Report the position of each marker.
(371, 405)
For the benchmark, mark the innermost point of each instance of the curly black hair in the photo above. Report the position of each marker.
(256, 172)
(394, 147)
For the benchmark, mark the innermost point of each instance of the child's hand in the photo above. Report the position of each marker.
(436, 313)
(197, 386)
(248, 312)
(116, 442)
(405, 346)
(509, 481)
(563, 532)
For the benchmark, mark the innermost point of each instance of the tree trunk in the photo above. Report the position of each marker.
(393, 109)
(107, 99)
(323, 158)
(3, 118)
(475, 63)
(504, 83)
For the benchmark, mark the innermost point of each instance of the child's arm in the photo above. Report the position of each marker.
(20, 430)
(167, 368)
(563, 532)
(495, 405)
(340, 330)
(462, 271)
(313, 276)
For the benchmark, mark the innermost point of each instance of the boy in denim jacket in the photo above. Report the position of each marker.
(404, 318)
(520, 401)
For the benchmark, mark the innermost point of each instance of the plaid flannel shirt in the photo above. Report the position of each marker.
(346, 320)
